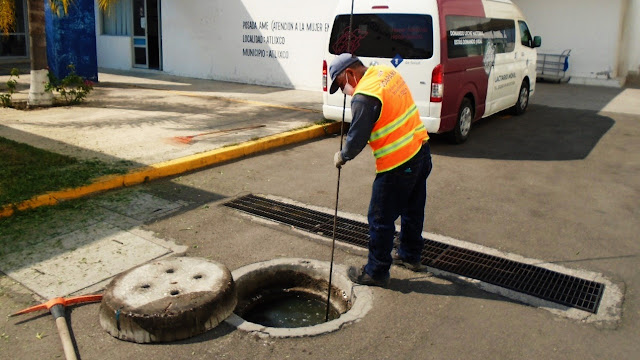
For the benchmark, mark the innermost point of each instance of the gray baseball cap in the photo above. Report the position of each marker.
(337, 66)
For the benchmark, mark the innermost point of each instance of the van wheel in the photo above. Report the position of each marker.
(460, 132)
(523, 99)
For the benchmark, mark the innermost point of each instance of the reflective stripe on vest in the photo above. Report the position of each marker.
(398, 133)
(389, 148)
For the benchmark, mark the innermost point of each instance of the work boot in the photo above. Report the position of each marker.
(361, 277)
(413, 266)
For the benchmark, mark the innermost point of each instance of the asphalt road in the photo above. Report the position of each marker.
(558, 184)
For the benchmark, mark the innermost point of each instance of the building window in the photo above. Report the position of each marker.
(15, 43)
(119, 19)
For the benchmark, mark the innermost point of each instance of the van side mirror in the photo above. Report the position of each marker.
(537, 41)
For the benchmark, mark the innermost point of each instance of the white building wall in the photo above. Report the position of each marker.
(114, 52)
(592, 29)
(212, 39)
(206, 39)
(632, 29)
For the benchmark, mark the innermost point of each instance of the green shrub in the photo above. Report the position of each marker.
(5, 99)
(73, 88)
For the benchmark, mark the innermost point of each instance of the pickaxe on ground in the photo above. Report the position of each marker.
(57, 307)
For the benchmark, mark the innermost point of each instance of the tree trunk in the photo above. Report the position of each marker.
(38, 46)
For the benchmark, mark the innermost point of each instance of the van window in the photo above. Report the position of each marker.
(384, 35)
(525, 35)
(503, 34)
(465, 36)
(470, 36)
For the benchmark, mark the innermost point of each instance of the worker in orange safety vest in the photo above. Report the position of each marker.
(385, 116)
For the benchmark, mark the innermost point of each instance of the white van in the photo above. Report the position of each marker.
(462, 59)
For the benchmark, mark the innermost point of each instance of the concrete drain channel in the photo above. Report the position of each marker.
(542, 283)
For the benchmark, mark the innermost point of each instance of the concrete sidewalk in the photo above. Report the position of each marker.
(134, 117)
(141, 117)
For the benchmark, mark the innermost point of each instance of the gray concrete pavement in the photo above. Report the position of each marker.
(594, 98)
(137, 116)
(558, 184)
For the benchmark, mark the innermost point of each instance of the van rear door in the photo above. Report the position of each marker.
(404, 41)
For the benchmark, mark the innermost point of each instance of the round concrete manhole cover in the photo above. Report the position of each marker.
(166, 300)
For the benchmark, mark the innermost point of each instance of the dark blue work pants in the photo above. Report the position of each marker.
(401, 192)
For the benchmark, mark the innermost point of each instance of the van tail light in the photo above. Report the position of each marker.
(437, 84)
(324, 75)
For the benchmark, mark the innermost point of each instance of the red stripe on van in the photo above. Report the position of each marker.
(457, 80)
(456, 7)
(461, 7)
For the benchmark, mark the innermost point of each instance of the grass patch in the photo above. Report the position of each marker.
(34, 226)
(26, 171)
(26, 228)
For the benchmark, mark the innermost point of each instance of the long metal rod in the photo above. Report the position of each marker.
(335, 214)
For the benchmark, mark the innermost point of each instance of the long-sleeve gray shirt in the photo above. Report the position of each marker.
(365, 111)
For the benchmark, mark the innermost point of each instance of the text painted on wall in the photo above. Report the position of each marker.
(268, 39)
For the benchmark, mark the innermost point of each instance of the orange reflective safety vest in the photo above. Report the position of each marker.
(398, 133)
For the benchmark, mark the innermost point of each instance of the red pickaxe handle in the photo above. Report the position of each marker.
(57, 306)
(60, 301)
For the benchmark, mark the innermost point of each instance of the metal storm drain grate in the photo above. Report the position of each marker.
(528, 279)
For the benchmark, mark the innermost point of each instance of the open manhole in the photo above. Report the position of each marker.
(288, 298)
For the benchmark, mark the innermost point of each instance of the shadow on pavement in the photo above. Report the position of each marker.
(219, 114)
(542, 133)
(422, 284)
(160, 80)
(583, 97)
(221, 330)
(212, 90)
(58, 147)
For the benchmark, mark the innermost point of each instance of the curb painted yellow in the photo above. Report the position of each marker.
(174, 167)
